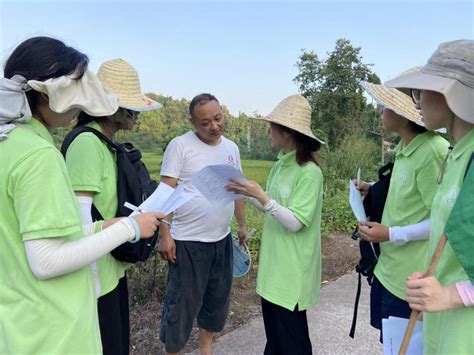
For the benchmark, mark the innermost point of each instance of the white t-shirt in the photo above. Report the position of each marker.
(198, 220)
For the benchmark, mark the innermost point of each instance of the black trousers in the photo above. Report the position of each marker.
(114, 320)
(286, 331)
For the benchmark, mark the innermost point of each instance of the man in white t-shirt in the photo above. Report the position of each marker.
(199, 247)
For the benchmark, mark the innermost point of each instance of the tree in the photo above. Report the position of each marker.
(333, 89)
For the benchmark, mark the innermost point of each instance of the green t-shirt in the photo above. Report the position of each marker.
(289, 271)
(412, 189)
(92, 167)
(58, 315)
(449, 332)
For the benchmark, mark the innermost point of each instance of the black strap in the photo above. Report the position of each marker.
(356, 308)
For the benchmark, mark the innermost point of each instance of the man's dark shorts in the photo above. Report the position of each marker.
(384, 304)
(199, 286)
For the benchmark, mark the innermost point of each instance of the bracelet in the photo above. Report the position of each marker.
(136, 227)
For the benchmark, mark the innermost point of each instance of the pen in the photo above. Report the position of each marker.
(358, 176)
(139, 210)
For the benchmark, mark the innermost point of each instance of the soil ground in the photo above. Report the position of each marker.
(340, 255)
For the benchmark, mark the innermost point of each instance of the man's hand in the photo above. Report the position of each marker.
(242, 234)
(167, 246)
(373, 232)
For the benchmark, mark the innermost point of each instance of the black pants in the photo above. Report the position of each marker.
(286, 331)
(114, 320)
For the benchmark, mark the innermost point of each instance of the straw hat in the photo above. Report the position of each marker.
(395, 100)
(293, 112)
(122, 80)
(450, 72)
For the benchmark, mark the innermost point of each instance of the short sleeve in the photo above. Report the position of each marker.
(43, 199)
(85, 163)
(304, 197)
(173, 160)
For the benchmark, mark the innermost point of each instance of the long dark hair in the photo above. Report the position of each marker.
(306, 147)
(43, 58)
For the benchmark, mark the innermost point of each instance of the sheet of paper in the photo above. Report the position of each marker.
(179, 197)
(355, 200)
(166, 199)
(393, 332)
(210, 182)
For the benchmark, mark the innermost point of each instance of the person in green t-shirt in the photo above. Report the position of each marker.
(444, 91)
(412, 188)
(289, 271)
(47, 303)
(92, 167)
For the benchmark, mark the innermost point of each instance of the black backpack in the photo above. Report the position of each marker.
(134, 185)
(374, 203)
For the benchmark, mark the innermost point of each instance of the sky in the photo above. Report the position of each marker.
(243, 52)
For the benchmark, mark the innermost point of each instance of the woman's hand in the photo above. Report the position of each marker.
(426, 294)
(248, 188)
(362, 186)
(148, 222)
(373, 232)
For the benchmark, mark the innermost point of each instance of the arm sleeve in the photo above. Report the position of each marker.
(466, 292)
(418, 231)
(53, 257)
(282, 215)
(173, 160)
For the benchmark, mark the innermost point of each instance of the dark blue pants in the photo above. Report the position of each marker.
(384, 304)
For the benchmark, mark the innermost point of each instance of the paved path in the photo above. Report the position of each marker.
(329, 325)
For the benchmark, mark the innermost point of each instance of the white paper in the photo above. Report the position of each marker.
(165, 199)
(355, 200)
(210, 182)
(393, 331)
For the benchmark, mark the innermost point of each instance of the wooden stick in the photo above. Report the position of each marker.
(414, 314)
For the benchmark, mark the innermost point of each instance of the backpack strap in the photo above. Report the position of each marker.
(96, 215)
(81, 129)
(356, 308)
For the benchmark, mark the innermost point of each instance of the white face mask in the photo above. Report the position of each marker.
(87, 94)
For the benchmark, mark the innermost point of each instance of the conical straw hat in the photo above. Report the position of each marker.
(395, 100)
(122, 80)
(293, 112)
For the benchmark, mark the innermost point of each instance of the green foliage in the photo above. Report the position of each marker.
(332, 86)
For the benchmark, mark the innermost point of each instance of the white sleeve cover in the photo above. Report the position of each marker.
(418, 231)
(85, 205)
(51, 257)
(283, 215)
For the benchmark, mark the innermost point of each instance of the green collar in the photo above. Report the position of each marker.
(40, 129)
(287, 158)
(414, 144)
(467, 142)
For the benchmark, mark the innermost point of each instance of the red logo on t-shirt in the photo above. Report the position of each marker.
(230, 159)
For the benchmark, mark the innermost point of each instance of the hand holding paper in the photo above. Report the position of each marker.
(355, 200)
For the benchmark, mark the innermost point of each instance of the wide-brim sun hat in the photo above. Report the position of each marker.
(450, 72)
(395, 100)
(122, 80)
(293, 112)
(87, 94)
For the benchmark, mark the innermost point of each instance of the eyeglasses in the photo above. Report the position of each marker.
(130, 113)
(415, 96)
(380, 108)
